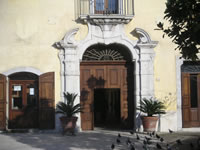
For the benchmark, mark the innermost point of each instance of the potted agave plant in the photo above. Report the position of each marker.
(150, 107)
(68, 110)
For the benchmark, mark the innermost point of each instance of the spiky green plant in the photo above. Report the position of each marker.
(151, 107)
(68, 109)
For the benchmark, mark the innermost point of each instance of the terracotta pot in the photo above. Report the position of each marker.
(149, 123)
(68, 124)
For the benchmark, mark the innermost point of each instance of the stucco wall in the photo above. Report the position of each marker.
(147, 15)
(29, 28)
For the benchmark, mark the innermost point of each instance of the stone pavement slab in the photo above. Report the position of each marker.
(93, 140)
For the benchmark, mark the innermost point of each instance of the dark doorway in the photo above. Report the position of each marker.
(107, 108)
(23, 101)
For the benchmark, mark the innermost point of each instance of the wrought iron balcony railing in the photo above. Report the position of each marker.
(117, 8)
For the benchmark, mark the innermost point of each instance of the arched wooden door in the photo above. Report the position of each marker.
(94, 75)
(31, 101)
(23, 104)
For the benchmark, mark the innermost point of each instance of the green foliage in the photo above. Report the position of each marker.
(184, 29)
(68, 109)
(151, 106)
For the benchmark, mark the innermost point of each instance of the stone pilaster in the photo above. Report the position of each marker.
(146, 63)
(146, 71)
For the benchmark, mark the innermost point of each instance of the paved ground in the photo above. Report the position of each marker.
(93, 140)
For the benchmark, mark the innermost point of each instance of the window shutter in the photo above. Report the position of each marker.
(2, 102)
(186, 99)
(46, 101)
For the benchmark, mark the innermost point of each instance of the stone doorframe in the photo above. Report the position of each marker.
(71, 52)
(12, 71)
(179, 63)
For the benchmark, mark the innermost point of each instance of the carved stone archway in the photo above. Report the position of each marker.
(71, 52)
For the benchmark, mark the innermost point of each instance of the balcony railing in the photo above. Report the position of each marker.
(98, 8)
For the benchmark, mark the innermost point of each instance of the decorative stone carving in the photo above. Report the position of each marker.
(145, 46)
(107, 22)
(69, 41)
(144, 39)
(107, 32)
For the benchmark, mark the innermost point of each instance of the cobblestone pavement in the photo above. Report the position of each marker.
(95, 140)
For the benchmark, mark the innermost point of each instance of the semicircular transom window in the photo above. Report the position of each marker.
(105, 53)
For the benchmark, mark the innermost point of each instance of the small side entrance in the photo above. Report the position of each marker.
(190, 94)
(191, 99)
(23, 102)
(31, 101)
(107, 108)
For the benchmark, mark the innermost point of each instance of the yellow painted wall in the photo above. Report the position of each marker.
(28, 28)
(147, 14)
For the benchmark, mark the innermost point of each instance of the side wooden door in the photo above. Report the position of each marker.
(2, 102)
(88, 82)
(23, 104)
(190, 100)
(46, 101)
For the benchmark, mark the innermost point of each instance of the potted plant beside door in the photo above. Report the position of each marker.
(150, 107)
(68, 110)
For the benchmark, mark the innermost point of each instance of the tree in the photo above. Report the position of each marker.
(184, 26)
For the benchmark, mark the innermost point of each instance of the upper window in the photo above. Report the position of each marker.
(106, 6)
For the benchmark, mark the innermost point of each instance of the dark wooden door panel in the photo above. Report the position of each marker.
(2, 102)
(23, 104)
(46, 101)
(103, 75)
(190, 109)
(87, 83)
(186, 99)
(100, 74)
(114, 76)
(194, 115)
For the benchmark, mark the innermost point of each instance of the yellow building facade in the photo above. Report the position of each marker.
(50, 47)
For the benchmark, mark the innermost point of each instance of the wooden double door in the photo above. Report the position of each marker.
(31, 103)
(191, 100)
(23, 104)
(106, 75)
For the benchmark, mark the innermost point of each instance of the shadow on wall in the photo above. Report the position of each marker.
(92, 83)
(31, 116)
(28, 119)
(138, 121)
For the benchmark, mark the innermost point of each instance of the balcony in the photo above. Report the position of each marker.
(117, 10)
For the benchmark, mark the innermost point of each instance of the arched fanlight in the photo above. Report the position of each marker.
(102, 55)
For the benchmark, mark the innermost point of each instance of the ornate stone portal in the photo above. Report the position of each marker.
(141, 51)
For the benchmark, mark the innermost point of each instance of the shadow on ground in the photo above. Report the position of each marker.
(189, 140)
(55, 141)
(94, 140)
